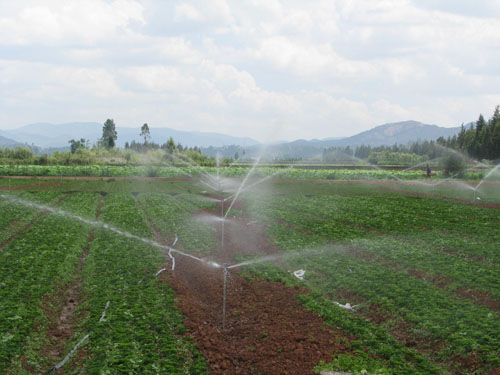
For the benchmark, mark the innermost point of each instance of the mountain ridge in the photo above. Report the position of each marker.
(48, 135)
(402, 132)
(45, 134)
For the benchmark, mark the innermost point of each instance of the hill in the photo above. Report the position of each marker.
(7, 142)
(387, 134)
(57, 135)
(398, 132)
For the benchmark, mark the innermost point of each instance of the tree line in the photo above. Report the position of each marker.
(480, 140)
(110, 135)
(414, 153)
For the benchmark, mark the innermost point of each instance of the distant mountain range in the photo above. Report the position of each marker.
(7, 142)
(51, 135)
(388, 134)
(398, 132)
(47, 135)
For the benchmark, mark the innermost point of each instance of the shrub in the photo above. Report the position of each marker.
(453, 165)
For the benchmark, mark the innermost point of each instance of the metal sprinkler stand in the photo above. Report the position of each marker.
(224, 296)
(223, 222)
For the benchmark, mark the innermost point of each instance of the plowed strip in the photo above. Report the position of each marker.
(22, 187)
(267, 330)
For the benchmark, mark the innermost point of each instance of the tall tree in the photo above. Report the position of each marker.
(145, 133)
(170, 146)
(109, 134)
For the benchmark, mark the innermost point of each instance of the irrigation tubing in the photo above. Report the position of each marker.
(78, 344)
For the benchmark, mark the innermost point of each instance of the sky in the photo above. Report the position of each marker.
(266, 69)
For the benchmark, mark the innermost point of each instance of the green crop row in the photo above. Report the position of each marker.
(14, 216)
(197, 171)
(143, 331)
(386, 239)
(33, 266)
(375, 350)
(176, 215)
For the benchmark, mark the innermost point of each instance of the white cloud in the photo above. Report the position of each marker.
(186, 11)
(69, 21)
(160, 79)
(306, 69)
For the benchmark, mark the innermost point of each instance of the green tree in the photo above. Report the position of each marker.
(109, 134)
(453, 165)
(145, 133)
(77, 144)
(170, 146)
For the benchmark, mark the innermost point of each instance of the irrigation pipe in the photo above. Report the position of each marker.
(103, 315)
(170, 254)
(160, 271)
(224, 298)
(68, 356)
(78, 344)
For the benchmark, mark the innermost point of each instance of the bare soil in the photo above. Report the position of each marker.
(22, 187)
(429, 195)
(267, 331)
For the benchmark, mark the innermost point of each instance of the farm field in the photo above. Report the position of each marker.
(87, 265)
(290, 171)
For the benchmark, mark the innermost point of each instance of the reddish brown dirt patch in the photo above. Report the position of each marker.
(437, 280)
(362, 255)
(429, 195)
(267, 331)
(457, 254)
(471, 363)
(480, 298)
(22, 187)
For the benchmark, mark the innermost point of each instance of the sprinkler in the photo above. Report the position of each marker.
(225, 266)
(223, 222)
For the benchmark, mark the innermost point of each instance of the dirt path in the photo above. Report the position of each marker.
(22, 187)
(267, 330)
(60, 308)
(430, 195)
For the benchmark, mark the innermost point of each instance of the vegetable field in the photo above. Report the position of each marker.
(286, 172)
(126, 276)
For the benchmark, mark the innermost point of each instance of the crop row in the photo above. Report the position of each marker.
(375, 350)
(142, 331)
(380, 268)
(342, 217)
(173, 215)
(197, 171)
(15, 217)
(33, 266)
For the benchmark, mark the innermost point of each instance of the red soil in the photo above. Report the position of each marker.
(267, 330)
(22, 187)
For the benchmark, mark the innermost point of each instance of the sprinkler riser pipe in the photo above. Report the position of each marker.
(224, 298)
(223, 222)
